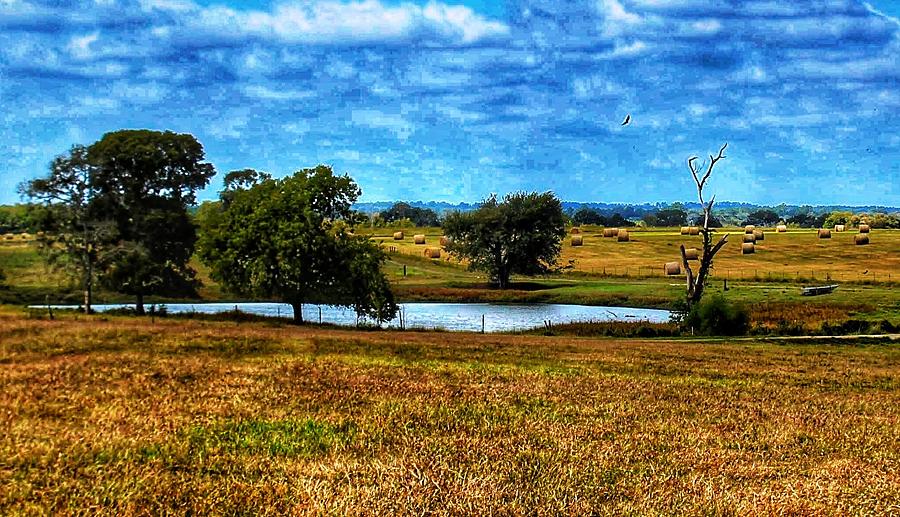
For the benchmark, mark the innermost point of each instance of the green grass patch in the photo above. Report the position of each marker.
(271, 437)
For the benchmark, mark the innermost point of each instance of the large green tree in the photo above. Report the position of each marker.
(290, 239)
(144, 181)
(520, 235)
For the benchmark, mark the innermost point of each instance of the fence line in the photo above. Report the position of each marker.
(789, 275)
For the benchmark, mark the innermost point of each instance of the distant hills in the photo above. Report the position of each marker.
(629, 210)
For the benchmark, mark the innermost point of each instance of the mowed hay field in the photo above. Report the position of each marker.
(798, 253)
(126, 416)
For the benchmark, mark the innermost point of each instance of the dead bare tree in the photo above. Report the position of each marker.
(696, 284)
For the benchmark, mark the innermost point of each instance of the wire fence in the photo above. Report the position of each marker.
(792, 276)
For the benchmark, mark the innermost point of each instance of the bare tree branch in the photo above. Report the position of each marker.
(696, 284)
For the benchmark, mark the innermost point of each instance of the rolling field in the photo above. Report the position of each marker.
(124, 416)
(796, 254)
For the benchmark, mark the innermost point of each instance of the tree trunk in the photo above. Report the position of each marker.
(298, 312)
(503, 278)
(139, 306)
(88, 288)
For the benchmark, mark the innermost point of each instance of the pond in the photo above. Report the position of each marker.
(449, 316)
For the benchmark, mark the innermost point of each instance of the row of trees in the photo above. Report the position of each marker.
(117, 212)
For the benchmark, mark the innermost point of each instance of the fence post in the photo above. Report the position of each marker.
(482, 323)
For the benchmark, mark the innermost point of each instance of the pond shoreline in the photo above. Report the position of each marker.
(473, 317)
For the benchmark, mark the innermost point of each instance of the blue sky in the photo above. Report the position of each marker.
(452, 101)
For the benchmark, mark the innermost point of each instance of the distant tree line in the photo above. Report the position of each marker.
(591, 216)
(403, 212)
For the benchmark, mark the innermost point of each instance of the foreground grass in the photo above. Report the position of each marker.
(124, 416)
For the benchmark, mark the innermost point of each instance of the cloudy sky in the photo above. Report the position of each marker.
(425, 100)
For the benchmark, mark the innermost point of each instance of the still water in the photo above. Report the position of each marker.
(450, 316)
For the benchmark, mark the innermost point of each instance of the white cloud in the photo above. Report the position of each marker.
(261, 92)
(366, 21)
(873, 10)
(376, 119)
(616, 20)
(80, 46)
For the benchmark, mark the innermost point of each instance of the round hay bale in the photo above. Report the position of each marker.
(749, 228)
(759, 235)
(749, 238)
(445, 241)
(432, 253)
(610, 232)
(864, 228)
(9, 236)
(398, 236)
(672, 268)
(861, 239)
(622, 235)
(577, 240)
(576, 231)
(839, 227)
(781, 228)
(419, 239)
(694, 230)
(692, 254)
(748, 248)
(824, 233)
(685, 230)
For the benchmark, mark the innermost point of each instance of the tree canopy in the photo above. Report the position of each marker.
(586, 215)
(144, 181)
(418, 216)
(290, 239)
(762, 217)
(520, 235)
(119, 208)
(671, 217)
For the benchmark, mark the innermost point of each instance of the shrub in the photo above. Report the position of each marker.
(716, 316)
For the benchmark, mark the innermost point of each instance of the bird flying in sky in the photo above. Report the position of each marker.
(627, 120)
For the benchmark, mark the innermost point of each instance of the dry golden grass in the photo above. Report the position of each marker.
(795, 253)
(124, 416)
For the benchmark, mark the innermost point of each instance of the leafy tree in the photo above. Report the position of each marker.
(585, 215)
(713, 221)
(290, 239)
(671, 217)
(520, 235)
(762, 217)
(17, 218)
(650, 219)
(618, 221)
(144, 181)
(837, 217)
(417, 216)
(74, 232)
(807, 219)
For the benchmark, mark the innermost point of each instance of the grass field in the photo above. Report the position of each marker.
(114, 415)
(796, 254)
